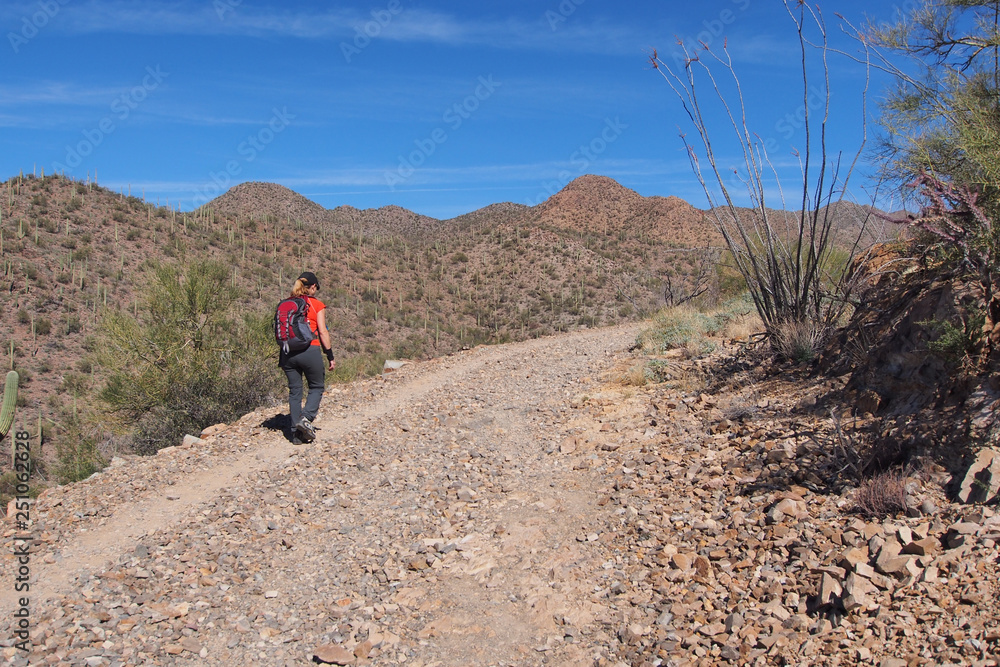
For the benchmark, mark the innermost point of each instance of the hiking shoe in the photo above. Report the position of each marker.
(305, 430)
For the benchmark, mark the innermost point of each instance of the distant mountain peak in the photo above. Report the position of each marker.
(266, 199)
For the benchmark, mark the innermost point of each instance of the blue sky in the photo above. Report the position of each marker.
(439, 107)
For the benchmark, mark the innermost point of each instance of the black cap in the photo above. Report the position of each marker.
(309, 278)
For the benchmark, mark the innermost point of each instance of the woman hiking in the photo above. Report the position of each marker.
(308, 362)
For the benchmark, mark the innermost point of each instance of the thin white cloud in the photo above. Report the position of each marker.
(57, 93)
(409, 25)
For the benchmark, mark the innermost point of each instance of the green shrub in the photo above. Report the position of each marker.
(679, 327)
(8, 485)
(952, 342)
(77, 455)
(193, 357)
(358, 366)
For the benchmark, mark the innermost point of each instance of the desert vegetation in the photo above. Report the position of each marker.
(911, 322)
(107, 315)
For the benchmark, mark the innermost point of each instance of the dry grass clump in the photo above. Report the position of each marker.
(742, 404)
(882, 495)
(743, 326)
(798, 341)
(635, 375)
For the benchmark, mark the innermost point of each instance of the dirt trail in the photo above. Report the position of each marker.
(162, 506)
(432, 523)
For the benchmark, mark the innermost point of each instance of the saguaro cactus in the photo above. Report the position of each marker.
(9, 403)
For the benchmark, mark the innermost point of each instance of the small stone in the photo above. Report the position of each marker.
(364, 649)
(681, 561)
(214, 429)
(964, 528)
(192, 440)
(729, 653)
(191, 644)
(829, 589)
(734, 622)
(981, 483)
(664, 619)
(892, 662)
(851, 557)
(333, 654)
(712, 629)
(929, 546)
(865, 570)
(856, 589)
(702, 566)
(889, 560)
(633, 633)
(797, 623)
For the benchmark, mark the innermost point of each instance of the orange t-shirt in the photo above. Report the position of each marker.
(315, 305)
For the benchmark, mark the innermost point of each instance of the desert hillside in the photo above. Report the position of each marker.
(398, 284)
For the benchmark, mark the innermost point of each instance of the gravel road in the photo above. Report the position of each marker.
(433, 522)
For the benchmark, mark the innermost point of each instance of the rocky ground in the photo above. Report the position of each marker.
(527, 504)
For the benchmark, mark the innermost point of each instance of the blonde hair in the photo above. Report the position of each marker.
(300, 288)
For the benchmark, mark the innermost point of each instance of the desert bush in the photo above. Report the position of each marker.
(77, 455)
(742, 404)
(798, 341)
(954, 343)
(635, 376)
(881, 495)
(782, 254)
(193, 357)
(8, 487)
(678, 327)
(74, 384)
(357, 366)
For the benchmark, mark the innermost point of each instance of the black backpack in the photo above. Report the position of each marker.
(291, 328)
